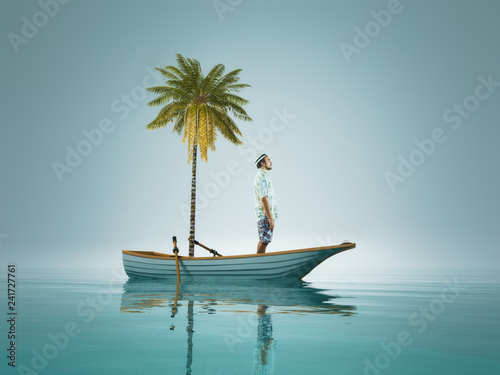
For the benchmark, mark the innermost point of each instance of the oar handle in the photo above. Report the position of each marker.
(176, 249)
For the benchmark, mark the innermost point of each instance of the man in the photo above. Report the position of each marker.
(265, 202)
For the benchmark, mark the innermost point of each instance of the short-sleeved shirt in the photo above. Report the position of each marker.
(264, 188)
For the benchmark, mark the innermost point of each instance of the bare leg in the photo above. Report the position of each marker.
(261, 247)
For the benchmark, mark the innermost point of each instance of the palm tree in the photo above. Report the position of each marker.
(199, 106)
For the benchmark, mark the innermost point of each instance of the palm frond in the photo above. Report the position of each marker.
(169, 113)
(211, 129)
(202, 139)
(229, 79)
(226, 126)
(191, 129)
(179, 124)
(170, 72)
(237, 87)
(212, 77)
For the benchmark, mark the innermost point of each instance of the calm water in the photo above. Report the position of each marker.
(99, 322)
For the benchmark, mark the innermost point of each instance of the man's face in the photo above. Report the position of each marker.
(268, 163)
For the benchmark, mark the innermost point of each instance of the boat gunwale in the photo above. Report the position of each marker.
(155, 255)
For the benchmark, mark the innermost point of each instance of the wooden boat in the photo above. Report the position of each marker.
(279, 265)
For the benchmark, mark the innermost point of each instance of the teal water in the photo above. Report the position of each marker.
(404, 322)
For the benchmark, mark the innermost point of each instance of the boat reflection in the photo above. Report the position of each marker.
(266, 300)
(139, 296)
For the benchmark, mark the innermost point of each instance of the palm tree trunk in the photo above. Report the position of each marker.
(193, 203)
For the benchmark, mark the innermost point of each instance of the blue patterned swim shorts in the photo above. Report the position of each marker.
(265, 232)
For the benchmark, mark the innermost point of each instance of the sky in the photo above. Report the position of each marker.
(380, 117)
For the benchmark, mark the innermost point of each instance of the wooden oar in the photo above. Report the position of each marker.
(176, 252)
(215, 253)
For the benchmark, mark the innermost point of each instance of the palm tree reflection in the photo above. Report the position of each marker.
(190, 330)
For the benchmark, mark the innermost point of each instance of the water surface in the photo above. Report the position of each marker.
(390, 322)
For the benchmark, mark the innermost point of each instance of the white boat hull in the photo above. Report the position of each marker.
(284, 265)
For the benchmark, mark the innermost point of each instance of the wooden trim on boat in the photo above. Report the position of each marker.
(156, 255)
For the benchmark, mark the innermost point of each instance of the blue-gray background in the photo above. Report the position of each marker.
(348, 124)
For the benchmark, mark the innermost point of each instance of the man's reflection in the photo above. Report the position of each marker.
(265, 348)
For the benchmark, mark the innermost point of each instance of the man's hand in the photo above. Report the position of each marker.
(267, 210)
